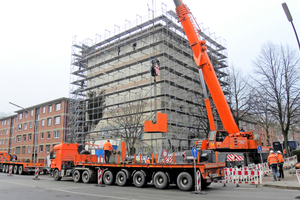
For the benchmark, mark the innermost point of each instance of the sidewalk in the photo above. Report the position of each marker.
(289, 182)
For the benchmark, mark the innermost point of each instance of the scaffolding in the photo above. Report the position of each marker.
(114, 70)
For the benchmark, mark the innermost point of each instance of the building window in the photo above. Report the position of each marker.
(49, 108)
(48, 135)
(1, 132)
(57, 106)
(4, 122)
(30, 124)
(5, 141)
(29, 137)
(17, 150)
(44, 109)
(24, 138)
(49, 121)
(26, 115)
(7, 122)
(29, 150)
(41, 148)
(47, 148)
(56, 134)
(57, 120)
(25, 126)
(42, 135)
(2, 141)
(23, 149)
(18, 138)
(7, 132)
(20, 115)
(19, 127)
(43, 122)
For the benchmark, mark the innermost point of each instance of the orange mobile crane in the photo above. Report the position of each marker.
(230, 140)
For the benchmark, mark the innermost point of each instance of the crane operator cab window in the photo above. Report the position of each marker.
(217, 136)
(211, 136)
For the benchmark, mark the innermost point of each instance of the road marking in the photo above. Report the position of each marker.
(95, 195)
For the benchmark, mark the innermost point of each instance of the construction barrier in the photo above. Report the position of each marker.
(290, 162)
(298, 175)
(100, 175)
(10, 171)
(36, 173)
(198, 181)
(243, 175)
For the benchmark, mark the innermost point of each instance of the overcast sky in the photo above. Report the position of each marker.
(36, 37)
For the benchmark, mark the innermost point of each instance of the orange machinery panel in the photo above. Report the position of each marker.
(85, 158)
(160, 126)
(238, 143)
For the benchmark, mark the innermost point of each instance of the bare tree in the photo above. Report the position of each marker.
(238, 94)
(261, 114)
(129, 118)
(277, 75)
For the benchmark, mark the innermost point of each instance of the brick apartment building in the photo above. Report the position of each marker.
(17, 131)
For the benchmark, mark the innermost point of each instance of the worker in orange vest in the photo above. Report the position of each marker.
(280, 164)
(284, 152)
(148, 161)
(273, 162)
(107, 150)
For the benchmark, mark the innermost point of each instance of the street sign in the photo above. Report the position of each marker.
(194, 152)
(280, 137)
(164, 153)
(259, 148)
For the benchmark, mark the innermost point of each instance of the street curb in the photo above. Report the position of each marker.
(282, 187)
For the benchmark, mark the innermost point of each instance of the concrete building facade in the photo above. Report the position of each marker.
(116, 68)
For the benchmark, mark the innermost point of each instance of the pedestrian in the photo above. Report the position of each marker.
(273, 162)
(280, 164)
(107, 150)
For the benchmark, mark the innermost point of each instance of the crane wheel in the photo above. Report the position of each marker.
(56, 175)
(160, 180)
(121, 178)
(85, 176)
(76, 176)
(108, 177)
(184, 181)
(20, 169)
(139, 179)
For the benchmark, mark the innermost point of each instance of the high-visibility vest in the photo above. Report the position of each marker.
(107, 146)
(284, 151)
(280, 158)
(148, 160)
(272, 159)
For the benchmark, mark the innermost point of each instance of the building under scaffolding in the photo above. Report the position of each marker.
(114, 70)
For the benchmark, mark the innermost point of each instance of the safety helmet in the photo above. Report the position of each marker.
(271, 151)
(279, 152)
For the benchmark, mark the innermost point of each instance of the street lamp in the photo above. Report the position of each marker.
(34, 130)
(289, 17)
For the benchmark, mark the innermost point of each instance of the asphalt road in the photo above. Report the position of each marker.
(18, 187)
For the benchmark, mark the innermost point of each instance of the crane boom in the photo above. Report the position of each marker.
(203, 62)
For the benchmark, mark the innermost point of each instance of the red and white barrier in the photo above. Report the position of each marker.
(242, 176)
(198, 181)
(298, 175)
(290, 162)
(36, 173)
(100, 176)
(234, 157)
(168, 159)
(10, 170)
